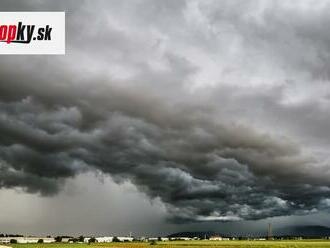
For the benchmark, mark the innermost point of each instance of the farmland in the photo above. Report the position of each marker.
(190, 244)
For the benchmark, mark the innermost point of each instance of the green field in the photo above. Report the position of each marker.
(188, 244)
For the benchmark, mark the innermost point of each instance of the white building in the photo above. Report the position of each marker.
(216, 238)
(26, 240)
(158, 239)
(104, 239)
(86, 240)
(125, 239)
(181, 238)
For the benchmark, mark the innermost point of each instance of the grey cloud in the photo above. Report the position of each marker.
(127, 110)
(201, 170)
(30, 182)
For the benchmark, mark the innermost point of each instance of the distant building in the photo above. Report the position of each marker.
(109, 239)
(26, 240)
(141, 239)
(158, 239)
(181, 238)
(217, 237)
(125, 239)
(86, 240)
(103, 239)
(65, 240)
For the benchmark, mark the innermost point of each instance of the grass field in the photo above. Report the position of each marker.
(190, 244)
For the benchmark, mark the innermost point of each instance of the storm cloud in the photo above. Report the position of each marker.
(217, 109)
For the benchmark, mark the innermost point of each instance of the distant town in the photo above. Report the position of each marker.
(185, 236)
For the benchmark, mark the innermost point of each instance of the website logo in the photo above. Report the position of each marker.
(32, 33)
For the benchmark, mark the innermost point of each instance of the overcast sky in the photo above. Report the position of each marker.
(168, 116)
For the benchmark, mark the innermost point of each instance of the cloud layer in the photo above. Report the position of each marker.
(212, 107)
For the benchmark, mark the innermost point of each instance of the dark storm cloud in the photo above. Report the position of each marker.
(173, 110)
(201, 169)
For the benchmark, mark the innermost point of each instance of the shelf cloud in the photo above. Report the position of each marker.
(217, 109)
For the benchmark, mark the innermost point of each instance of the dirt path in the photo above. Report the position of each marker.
(3, 246)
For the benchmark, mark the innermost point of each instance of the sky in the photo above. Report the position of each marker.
(168, 116)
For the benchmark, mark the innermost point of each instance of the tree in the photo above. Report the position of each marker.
(58, 239)
(92, 240)
(115, 239)
(81, 239)
(40, 241)
(13, 241)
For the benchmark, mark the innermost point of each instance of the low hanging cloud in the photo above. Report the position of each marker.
(201, 169)
(174, 111)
